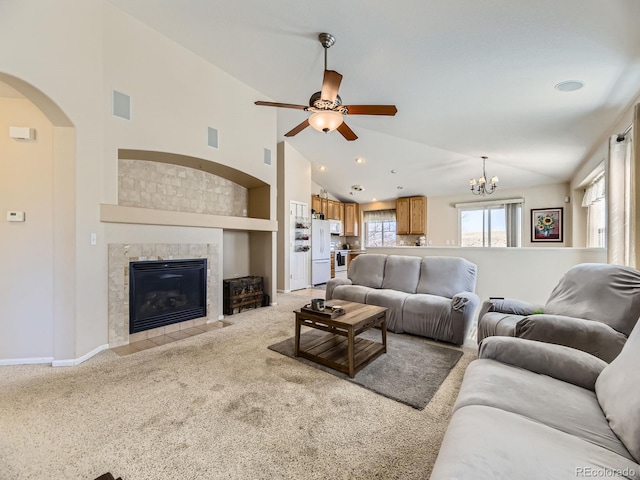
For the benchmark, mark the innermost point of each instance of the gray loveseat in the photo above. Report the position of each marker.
(530, 410)
(593, 308)
(432, 296)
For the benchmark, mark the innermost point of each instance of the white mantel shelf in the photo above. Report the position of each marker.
(147, 216)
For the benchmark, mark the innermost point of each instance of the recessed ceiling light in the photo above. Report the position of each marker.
(569, 86)
(322, 168)
(394, 171)
(373, 200)
(359, 160)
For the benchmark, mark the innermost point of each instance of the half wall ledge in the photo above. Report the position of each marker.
(145, 216)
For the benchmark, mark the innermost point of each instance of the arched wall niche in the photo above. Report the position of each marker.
(258, 191)
(51, 110)
(61, 238)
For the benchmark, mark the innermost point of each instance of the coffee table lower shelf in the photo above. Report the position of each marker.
(332, 351)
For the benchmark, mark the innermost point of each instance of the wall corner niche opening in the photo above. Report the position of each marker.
(121, 105)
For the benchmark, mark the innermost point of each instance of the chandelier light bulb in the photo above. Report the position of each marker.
(325, 120)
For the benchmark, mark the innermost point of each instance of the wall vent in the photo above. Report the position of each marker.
(121, 105)
(212, 137)
(267, 156)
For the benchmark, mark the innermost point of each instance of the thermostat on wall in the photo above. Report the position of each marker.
(15, 216)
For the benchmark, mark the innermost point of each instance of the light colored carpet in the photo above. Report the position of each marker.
(216, 405)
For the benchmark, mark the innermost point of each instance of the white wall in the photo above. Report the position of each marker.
(26, 248)
(235, 254)
(294, 184)
(524, 273)
(77, 52)
(442, 216)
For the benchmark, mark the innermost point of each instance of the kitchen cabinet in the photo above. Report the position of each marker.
(334, 210)
(320, 205)
(411, 216)
(351, 219)
(316, 204)
(341, 215)
(333, 266)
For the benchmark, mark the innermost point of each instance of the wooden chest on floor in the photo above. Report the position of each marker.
(242, 293)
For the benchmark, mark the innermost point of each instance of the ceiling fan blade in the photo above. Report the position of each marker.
(347, 132)
(330, 85)
(297, 129)
(283, 105)
(371, 109)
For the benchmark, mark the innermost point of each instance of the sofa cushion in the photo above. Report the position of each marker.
(446, 276)
(486, 443)
(402, 273)
(428, 316)
(546, 400)
(606, 293)
(618, 391)
(367, 270)
(352, 293)
(394, 301)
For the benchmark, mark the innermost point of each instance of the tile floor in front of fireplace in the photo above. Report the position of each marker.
(168, 338)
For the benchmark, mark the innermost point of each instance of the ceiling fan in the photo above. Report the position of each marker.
(326, 105)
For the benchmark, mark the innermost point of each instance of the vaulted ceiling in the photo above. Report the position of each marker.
(469, 78)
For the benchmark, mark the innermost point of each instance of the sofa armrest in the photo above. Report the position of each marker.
(557, 361)
(463, 310)
(596, 338)
(333, 283)
(508, 305)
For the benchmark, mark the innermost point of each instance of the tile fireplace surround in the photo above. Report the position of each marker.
(119, 257)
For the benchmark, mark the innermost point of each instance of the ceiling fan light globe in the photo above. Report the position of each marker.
(326, 121)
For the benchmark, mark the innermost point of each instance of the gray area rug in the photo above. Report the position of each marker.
(410, 372)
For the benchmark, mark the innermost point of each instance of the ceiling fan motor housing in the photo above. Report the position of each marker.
(316, 101)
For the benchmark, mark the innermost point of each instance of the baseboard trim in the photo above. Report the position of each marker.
(25, 361)
(72, 362)
(284, 291)
(220, 317)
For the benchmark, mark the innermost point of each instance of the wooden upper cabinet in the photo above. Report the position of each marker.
(316, 203)
(351, 219)
(341, 213)
(411, 216)
(418, 216)
(403, 216)
(334, 210)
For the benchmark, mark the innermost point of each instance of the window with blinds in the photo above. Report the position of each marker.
(380, 228)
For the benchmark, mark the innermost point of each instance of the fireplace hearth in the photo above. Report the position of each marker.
(166, 292)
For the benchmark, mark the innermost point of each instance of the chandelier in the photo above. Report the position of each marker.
(480, 187)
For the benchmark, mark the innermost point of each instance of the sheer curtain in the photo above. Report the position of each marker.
(594, 201)
(621, 199)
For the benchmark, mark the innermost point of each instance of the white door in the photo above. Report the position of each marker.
(299, 242)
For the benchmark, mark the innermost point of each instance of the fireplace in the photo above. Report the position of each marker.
(166, 292)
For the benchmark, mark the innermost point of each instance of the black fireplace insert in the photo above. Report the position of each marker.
(165, 292)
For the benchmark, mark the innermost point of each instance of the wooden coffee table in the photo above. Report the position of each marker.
(341, 348)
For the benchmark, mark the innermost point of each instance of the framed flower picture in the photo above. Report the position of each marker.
(547, 225)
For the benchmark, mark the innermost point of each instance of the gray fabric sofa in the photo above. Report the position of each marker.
(432, 296)
(533, 410)
(593, 308)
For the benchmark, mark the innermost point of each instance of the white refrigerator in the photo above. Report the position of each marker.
(320, 252)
